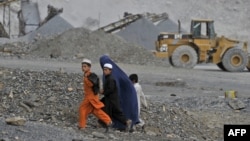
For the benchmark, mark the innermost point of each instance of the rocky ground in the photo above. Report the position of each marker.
(40, 82)
(48, 101)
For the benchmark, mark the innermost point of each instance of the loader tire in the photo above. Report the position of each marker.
(170, 61)
(184, 57)
(248, 68)
(234, 60)
(220, 65)
(248, 64)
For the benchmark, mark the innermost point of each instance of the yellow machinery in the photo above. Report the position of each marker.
(202, 45)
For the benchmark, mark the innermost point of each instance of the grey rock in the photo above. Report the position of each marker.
(5, 139)
(25, 106)
(171, 83)
(79, 55)
(99, 135)
(52, 99)
(151, 133)
(15, 121)
(236, 104)
(30, 104)
(1, 86)
(113, 137)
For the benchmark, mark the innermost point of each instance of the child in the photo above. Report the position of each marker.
(91, 102)
(140, 96)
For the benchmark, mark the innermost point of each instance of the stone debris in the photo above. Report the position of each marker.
(113, 137)
(25, 106)
(70, 89)
(30, 104)
(142, 32)
(5, 139)
(1, 86)
(236, 104)
(79, 42)
(99, 135)
(151, 133)
(11, 94)
(18, 121)
(171, 83)
(57, 39)
(53, 27)
(50, 102)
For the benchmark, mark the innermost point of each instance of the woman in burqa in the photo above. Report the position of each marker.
(126, 92)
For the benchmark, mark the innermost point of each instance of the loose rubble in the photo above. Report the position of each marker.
(74, 44)
(142, 32)
(15, 121)
(51, 98)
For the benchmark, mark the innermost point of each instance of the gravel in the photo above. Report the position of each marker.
(169, 26)
(76, 43)
(142, 32)
(37, 131)
(53, 97)
(53, 27)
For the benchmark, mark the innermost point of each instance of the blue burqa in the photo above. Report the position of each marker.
(126, 91)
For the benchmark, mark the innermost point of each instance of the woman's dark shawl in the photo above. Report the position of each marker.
(126, 91)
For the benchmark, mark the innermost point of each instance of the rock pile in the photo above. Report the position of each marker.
(169, 26)
(79, 42)
(142, 32)
(53, 27)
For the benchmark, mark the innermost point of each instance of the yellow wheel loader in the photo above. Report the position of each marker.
(201, 45)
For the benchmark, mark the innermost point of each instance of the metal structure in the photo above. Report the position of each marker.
(130, 18)
(156, 17)
(4, 4)
(120, 24)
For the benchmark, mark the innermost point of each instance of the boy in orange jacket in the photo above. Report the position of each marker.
(91, 102)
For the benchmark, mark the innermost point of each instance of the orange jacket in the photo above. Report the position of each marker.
(89, 95)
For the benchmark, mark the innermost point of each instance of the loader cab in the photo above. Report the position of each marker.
(202, 29)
